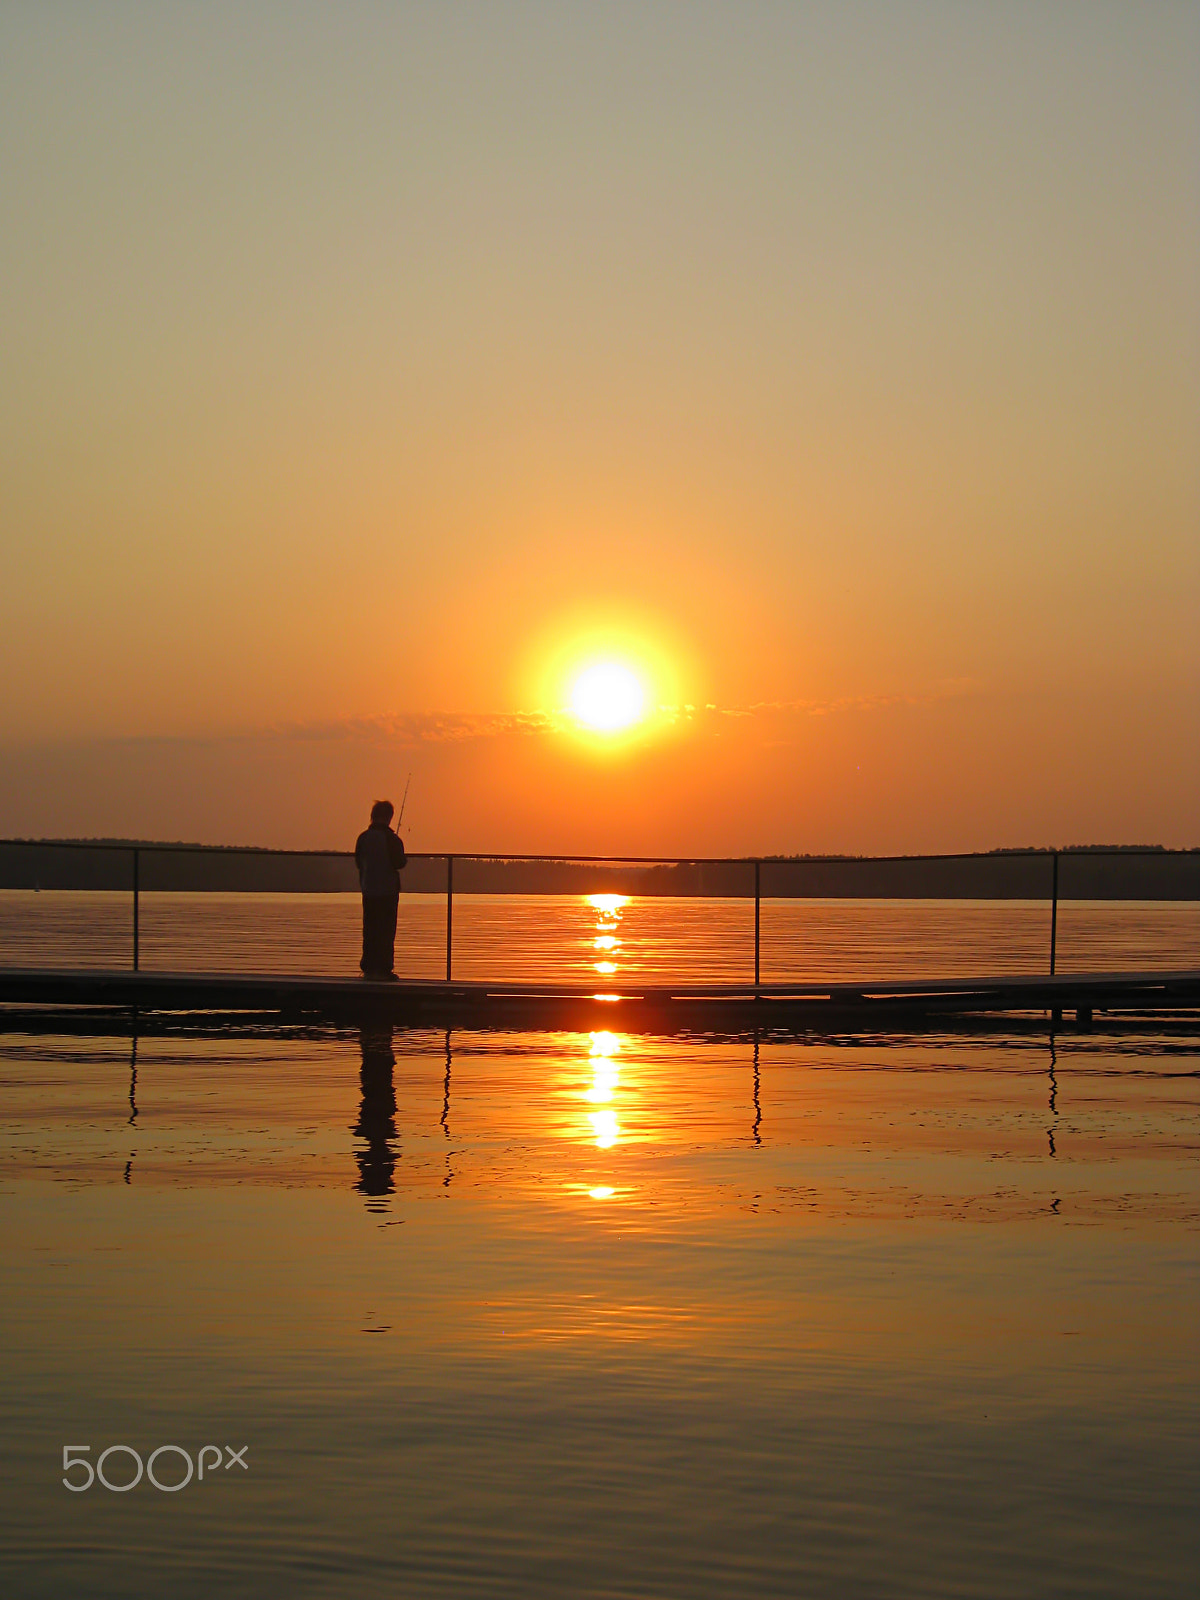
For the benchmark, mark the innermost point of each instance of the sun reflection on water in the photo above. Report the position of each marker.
(605, 1071)
(605, 1127)
(605, 1046)
(608, 908)
(608, 905)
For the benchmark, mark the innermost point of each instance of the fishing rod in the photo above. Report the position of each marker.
(403, 803)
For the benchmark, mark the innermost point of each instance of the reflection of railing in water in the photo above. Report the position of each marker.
(1001, 875)
(383, 1123)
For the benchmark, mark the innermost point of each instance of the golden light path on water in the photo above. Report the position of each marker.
(605, 1045)
(608, 908)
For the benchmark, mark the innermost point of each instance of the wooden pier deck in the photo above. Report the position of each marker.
(863, 1002)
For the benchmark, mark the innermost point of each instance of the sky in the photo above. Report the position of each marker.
(371, 369)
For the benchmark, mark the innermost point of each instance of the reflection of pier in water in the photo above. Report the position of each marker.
(599, 1121)
(755, 1131)
(445, 1118)
(377, 1127)
(133, 1110)
(1053, 1097)
(1050, 1131)
(602, 1124)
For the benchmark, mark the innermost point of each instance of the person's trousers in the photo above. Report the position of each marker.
(379, 932)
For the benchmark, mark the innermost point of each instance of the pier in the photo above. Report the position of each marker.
(72, 979)
(1074, 997)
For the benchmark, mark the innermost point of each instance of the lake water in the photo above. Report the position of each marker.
(606, 939)
(599, 1313)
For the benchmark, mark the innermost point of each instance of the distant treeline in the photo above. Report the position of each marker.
(108, 864)
(1085, 872)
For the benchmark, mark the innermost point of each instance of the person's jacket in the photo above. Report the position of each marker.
(379, 856)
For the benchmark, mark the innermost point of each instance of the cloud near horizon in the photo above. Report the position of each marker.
(406, 729)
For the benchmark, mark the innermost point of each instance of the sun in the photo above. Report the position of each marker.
(608, 697)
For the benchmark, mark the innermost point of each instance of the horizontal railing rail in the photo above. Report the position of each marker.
(1128, 873)
(1074, 853)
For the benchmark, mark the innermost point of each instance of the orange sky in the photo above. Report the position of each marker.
(835, 365)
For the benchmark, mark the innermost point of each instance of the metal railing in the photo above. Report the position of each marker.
(1175, 875)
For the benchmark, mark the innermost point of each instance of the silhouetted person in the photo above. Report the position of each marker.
(379, 856)
(377, 1113)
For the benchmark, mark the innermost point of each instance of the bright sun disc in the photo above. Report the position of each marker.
(607, 697)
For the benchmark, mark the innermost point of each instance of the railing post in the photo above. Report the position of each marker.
(449, 914)
(137, 860)
(1054, 916)
(757, 924)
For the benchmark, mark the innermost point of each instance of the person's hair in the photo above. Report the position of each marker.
(382, 811)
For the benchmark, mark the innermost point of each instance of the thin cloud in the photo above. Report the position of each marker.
(414, 729)
(441, 727)
(417, 728)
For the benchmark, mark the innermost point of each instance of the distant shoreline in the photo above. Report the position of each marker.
(1084, 873)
